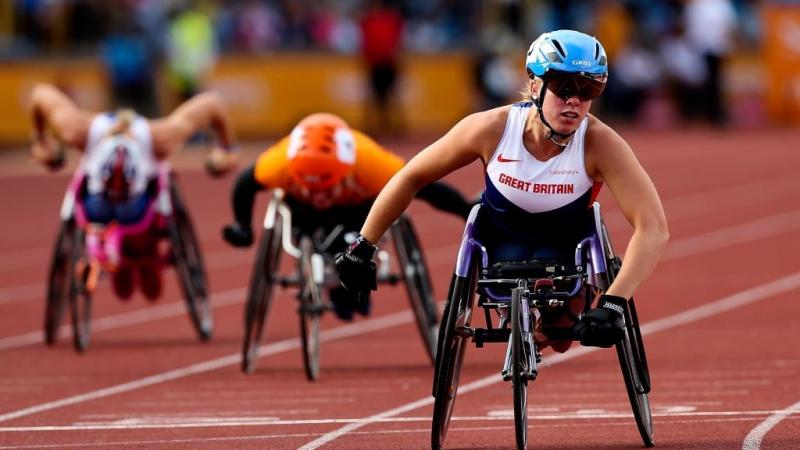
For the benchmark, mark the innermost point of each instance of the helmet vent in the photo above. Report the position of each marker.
(559, 48)
(554, 57)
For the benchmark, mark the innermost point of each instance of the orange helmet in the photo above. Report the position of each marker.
(321, 152)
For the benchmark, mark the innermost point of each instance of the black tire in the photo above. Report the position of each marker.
(311, 309)
(640, 403)
(451, 356)
(418, 283)
(632, 355)
(59, 279)
(80, 296)
(259, 296)
(190, 267)
(519, 367)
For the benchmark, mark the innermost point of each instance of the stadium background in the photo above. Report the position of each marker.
(275, 61)
(720, 312)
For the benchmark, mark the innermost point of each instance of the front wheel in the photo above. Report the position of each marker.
(519, 367)
(190, 267)
(311, 308)
(418, 283)
(59, 279)
(259, 295)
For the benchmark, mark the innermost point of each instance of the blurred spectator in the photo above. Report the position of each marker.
(382, 30)
(633, 77)
(130, 64)
(191, 49)
(710, 25)
(686, 72)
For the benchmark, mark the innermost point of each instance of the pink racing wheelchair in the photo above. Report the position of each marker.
(84, 254)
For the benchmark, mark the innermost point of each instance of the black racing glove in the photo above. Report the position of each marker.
(238, 235)
(603, 326)
(357, 272)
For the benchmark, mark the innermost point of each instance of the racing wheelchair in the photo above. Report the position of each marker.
(518, 303)
(315, 275)
(83, 256)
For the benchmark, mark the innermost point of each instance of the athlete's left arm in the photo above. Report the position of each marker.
(610, 159)
(203, 111)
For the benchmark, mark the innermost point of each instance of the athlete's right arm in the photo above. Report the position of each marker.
(467, 141)
(53, 111)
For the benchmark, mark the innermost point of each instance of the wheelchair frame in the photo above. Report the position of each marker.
(315, 274)
(596, 266)
(75, 269)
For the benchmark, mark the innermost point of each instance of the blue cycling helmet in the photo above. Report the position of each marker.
(566, 51)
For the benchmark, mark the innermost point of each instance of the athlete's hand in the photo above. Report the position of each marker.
(48, 152)
(238, 235)
(221, 161)
(357, 272)
(603, 326)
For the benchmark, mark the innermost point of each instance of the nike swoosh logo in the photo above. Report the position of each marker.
(501, 159)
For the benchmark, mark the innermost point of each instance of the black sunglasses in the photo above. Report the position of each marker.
(586, 86)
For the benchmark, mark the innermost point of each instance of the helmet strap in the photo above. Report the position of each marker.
(560, 139)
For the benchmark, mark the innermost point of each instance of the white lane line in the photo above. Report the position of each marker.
(756, 435)
(368, 326)
(22, 292)
(222, 259)
(217, 422)
(143, 315)
(742, 233)
(761, 292)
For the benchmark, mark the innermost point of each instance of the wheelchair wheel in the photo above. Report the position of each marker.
(640, 403)
(631, 354)
(418, 283)
(311, 309)
(80, 294)
(519, 367)
(59, 279)
(451, 356)
(190, 267)
(259, 296)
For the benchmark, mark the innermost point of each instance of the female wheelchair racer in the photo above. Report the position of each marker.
(546, 160)
(121, 201)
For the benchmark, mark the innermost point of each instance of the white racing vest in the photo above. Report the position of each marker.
(102, 150)
(532, 185)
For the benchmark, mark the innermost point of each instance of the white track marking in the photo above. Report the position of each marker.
(742, 233)
(135, 423)
(756, 435)
(761, 292)
(726, 237)
(143, 315)
(380, 323)
(22, 292)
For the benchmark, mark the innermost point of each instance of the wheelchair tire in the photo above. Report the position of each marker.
(259, 297)
(519, 378)
(311, 309)
(631, 354)
(418, 283)
(451, 357)
(80, 297)
(640, 403)
(59, 279)
(190, 267)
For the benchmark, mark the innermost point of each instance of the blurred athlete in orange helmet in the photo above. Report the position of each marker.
(331, 174)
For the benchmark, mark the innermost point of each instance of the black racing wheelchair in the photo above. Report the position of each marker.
(315, 275)
(513, 307)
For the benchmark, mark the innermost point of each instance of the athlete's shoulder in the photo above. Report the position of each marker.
(601, 137)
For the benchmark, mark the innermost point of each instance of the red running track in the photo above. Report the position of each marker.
(720, 314)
